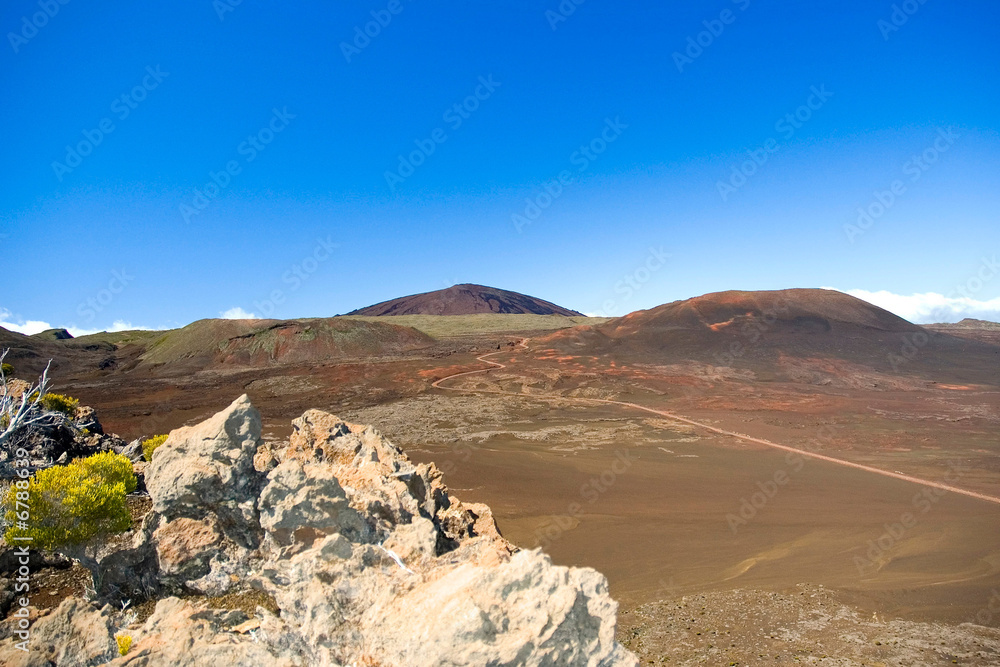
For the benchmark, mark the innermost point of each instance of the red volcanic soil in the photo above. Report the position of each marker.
(769, 330)
(466, 300)
(806, 311)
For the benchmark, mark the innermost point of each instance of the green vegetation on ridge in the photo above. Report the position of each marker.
(444, 326)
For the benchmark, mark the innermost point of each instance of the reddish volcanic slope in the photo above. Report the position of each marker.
(757, 329)
(800, 311)
(465, 300)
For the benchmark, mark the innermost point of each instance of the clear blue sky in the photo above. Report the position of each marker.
(199, 80)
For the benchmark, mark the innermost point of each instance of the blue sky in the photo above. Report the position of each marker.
(345, 174)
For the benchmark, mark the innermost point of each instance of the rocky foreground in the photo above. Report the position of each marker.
(354, 555)
(804, 625)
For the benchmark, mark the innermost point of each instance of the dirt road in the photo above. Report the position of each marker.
(669, 415)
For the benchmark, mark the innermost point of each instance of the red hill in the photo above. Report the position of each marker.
(761, 330)
(465, 300)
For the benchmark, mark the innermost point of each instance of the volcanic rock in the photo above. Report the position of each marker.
(465, 299)
(76, 633)
(367, 557)
(771, 332)
(182, 634)
(204, 489)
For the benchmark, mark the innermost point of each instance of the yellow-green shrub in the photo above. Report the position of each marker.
(112, 468)
(124, 643)
(149, 446)
(7, 369)
(59, 403)
(68, 506)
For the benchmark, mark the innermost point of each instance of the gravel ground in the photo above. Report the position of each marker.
(805, 626)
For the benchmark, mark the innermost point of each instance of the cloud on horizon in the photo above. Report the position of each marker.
(930, 307)
(926, 308)
(30, 327)
(237, 313)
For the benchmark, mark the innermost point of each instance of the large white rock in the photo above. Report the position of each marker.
(180, 634)
(368, 557)
(75, 634)
(429, 582)
(204, 489)
(200, 468)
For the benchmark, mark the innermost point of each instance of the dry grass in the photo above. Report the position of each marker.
(446, 326)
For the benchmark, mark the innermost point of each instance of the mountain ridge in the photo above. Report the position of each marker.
(465, 299)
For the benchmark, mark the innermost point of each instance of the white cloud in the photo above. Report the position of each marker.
(25, 327)
(237, 313)
(118, 325)
(931, 307)
(29, 327)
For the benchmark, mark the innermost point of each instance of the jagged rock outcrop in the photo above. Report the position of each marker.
(204, 489)
(86, 416)
(367, 557)
(76, 633)
(181, 634)
(132, 451)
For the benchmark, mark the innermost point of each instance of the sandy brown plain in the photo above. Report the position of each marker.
(650, 501)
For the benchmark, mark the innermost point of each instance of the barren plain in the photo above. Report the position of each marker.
(679, 480)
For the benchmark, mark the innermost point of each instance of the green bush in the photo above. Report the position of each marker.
(112, 468)
(149, 446)
(69, 506)
(7, 369)
(59, 403)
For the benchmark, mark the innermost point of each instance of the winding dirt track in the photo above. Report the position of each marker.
(669, 415)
